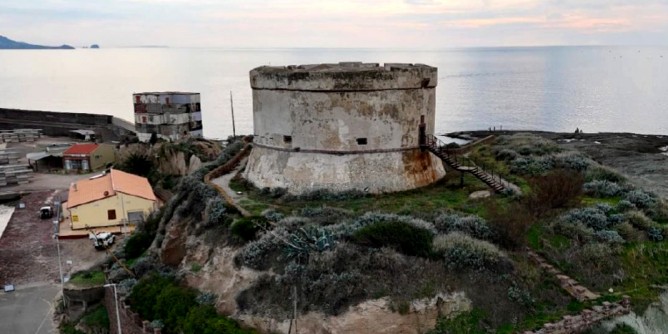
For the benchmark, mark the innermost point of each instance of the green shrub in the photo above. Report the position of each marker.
(137, 244)
(203, 319)
(179, 309)
(602, 173)
(323, 195)
(506, 154)
(471, 225)
(558, 189)
(272, 215)
(591, 217)
(145, 294)
(510, 225)
(216, 213)
(532, 166)
(572, 160)
(70, 329)
(623, 329)
(608, 236)
(625, 205)
(246, 228)
(462, 251)
(627, 232)
(641, 199)
(602, 188)
(255, 254)
(303, 241)
(405, 238)
(528, 144)
(326, 215)
(639, 220)
(97, 317)
(171, 304)
(88, 277)
(464, 323)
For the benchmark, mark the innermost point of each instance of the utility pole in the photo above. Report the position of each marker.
(234, 132)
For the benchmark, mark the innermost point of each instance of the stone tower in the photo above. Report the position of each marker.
(346, 126)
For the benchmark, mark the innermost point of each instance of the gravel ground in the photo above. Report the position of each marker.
(28, 252)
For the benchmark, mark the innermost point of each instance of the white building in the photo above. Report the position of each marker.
(170, 115)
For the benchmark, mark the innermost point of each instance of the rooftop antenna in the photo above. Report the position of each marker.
(234, 132)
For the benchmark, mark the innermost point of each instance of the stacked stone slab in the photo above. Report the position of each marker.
(341, 127)
(19, 135)
(15, 174)
(8, 157)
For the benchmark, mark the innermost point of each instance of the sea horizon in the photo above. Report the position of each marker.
(597, 88)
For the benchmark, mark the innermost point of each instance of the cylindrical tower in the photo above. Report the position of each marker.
(346, 126)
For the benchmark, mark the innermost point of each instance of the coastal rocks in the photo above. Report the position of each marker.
(220, 277)
(371, 316)
(653, 321)
(173, 248)
(480, 194)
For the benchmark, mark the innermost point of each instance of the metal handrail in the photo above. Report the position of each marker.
(438, 145)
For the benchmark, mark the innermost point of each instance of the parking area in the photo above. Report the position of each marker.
(28, 250)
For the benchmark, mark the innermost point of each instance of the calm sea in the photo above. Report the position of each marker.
(547, 88)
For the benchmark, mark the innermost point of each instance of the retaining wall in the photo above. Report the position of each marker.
(60, 123)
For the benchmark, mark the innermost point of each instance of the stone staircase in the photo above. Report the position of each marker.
(437, 147)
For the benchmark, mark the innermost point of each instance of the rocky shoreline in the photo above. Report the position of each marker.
(641, 157)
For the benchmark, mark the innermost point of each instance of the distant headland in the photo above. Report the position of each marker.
(6, 43)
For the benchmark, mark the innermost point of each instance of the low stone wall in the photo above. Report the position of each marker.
(85, 295)
(131, 322)
(586, 319)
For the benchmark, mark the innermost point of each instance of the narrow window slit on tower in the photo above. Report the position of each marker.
(287, 139)
(361, 141)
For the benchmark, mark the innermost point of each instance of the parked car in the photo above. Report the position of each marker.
(46, 212)
(102, 240)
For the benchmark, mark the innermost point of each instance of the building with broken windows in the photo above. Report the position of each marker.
(170, 115)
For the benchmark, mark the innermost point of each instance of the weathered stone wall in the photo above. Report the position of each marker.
(342, 127)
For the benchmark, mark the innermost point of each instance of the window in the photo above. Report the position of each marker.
(361, 141)
(287, 139)
(111, 214)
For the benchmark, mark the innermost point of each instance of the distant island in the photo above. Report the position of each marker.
(94, 46)
(6, 43)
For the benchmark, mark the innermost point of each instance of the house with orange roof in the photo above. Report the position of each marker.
(111, 199)
(88, 157)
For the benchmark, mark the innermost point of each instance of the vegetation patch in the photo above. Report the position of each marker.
(88, 278)
(158, 297)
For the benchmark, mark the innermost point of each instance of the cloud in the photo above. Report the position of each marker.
(332, 23)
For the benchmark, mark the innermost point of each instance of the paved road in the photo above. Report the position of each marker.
(28, 310)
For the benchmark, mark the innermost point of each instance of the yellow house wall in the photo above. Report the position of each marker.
(103, 155)
(94, 214)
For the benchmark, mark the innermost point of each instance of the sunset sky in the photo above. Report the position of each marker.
(430, 24)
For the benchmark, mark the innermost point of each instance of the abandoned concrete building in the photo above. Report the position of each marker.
(345, 126)
(170, 115)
